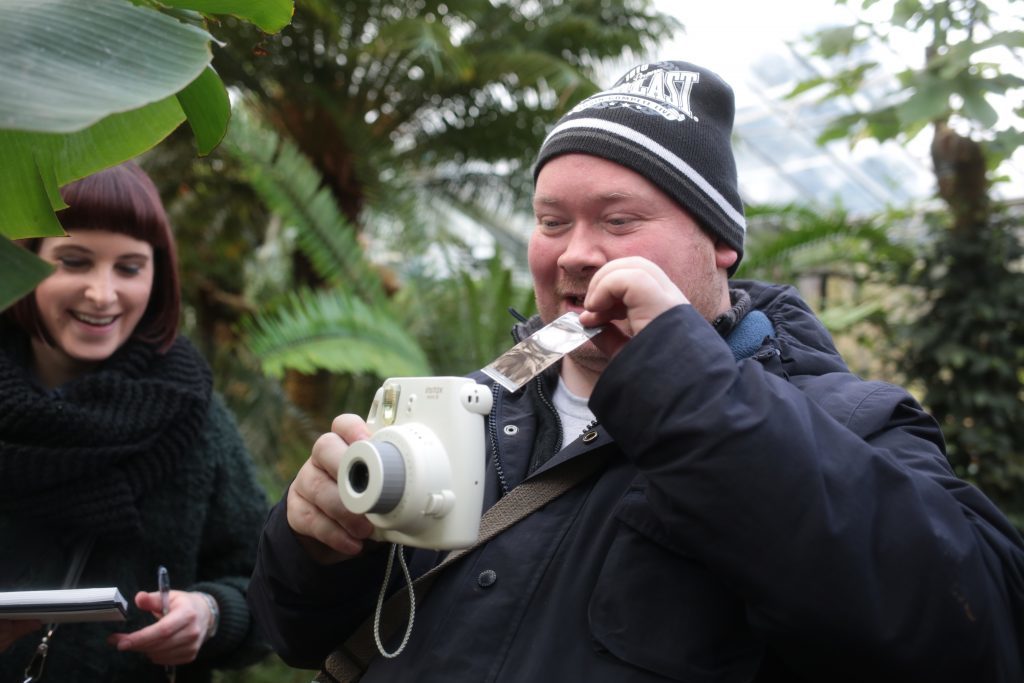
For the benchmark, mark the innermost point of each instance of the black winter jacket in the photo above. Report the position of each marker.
(143, 439)
(772, 519)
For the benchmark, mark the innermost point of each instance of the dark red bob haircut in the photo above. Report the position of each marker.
(121, 199)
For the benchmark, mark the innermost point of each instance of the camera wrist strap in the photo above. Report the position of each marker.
(348, 662)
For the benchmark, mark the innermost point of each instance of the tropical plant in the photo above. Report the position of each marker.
(421, 117)
(401, 104)
(88, 85)
(964, 345)
(350, 325)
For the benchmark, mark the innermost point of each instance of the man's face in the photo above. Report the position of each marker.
(591, 211)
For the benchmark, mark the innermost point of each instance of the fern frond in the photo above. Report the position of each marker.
(291, 187)
(333, 331)
(797, 239)
(841, 318)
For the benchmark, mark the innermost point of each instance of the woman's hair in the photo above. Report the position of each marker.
(121, 199)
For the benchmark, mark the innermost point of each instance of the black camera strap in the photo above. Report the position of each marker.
(348, 662)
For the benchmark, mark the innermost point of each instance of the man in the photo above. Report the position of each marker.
(763, 514)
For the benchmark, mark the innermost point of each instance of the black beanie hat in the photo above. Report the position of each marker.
(670, 122)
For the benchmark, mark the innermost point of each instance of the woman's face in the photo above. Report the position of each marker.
(97, 295)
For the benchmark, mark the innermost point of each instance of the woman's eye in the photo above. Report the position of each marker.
(129, 269)
(70, 263)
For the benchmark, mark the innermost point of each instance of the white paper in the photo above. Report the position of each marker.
(66, 605)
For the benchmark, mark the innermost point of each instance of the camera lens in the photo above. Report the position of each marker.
(358, 476)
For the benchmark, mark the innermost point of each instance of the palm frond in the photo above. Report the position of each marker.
(333, 331)
(293, 188)
(791, 239)
(842, 318)
(463, 321)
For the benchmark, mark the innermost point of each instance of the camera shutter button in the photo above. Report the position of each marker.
(487, 578)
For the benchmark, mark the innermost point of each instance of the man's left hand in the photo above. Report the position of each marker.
(630, 289)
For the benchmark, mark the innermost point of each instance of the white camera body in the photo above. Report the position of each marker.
(419, 479)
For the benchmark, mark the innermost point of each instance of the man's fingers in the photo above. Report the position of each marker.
(315, 511)
(631, 289)
(350, 427)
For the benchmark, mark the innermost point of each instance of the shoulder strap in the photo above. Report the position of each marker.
(348, 663)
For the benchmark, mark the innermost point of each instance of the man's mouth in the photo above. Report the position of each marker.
(98, 321)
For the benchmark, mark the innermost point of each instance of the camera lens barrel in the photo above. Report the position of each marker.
(375, 477)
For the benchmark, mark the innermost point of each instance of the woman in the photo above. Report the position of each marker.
(115, 453)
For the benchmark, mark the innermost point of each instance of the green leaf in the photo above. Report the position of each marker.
(841, 318)
(904, 11)
(836, 40)
(66, 64)
(22, 271)
(208, 109)
(291, 186)
(929, 101)
(337, 332)
(977, 108)
(33, 166)
(270, 15)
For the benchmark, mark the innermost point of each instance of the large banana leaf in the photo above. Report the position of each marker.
(86, 85)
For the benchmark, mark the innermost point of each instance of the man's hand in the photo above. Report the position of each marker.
(630, 289)
(327, 530)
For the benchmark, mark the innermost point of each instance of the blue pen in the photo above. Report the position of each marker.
(163, 581)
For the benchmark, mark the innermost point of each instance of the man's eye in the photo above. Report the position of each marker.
(620, 222)
(550, 224)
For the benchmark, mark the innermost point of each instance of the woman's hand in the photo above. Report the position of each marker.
(12, 630)
(177, 636)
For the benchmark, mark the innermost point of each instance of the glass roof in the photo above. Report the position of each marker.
(760, 52)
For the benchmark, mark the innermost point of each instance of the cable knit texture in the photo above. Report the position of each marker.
(83, 456)
(142, 454)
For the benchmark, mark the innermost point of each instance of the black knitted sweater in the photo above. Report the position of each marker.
(143, 456)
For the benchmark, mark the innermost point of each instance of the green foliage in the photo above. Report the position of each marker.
(291, 187)
(788, 241)
(952, 82)
(89, 85)
(332, 330)
(965, 342)
(397, 100)
(968, 349)
(463, 320)
(22, 270)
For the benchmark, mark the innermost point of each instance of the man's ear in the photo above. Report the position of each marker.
(725, 256)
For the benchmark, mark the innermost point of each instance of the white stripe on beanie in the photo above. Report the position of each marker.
(667, 155)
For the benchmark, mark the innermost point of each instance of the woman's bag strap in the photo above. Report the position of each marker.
(34, 669)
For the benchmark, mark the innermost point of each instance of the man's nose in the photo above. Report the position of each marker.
(582, 250)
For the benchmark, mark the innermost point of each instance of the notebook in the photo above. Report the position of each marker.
(67, 605)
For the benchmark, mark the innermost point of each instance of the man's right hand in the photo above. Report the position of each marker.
(327, 530)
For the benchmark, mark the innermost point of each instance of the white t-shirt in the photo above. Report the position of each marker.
(573, 411)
